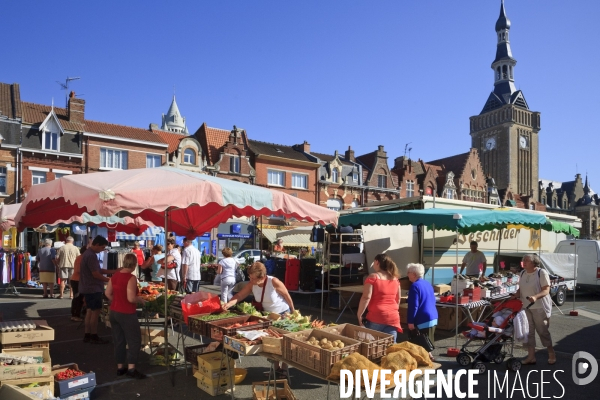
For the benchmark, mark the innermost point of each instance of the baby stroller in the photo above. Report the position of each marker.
(498, 342)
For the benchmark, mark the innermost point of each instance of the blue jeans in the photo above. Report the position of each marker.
(390, 330)
(192, 286)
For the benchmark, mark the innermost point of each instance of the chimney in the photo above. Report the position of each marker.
(76, 111)
(349, 154)
(304, 147)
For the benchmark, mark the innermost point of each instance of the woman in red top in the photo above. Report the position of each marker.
(122, 292)
(382, 295)
(139, 253)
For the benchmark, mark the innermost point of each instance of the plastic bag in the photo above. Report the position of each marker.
(200, 303)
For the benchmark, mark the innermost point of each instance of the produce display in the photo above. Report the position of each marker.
(420, 355)
(68, 374)
(295, 322)
(152, 291)
(353, 362)
(326, 343)
(399, 360)
(240, 324)
(214, 317)
(249, 309)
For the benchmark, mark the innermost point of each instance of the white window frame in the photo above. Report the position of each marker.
(382, 181)
(410, 188)
(3, 175)
(335, 175)
(45, 135)
(234, 164)
(58, 175)
(339, 205)
(123, 161)
(189, 157)
(355, 177)
(275, 178)
(299, 181)
(151, 160)
(450, 193)
(38, 177)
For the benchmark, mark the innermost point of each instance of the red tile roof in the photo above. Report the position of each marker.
(36, 114)
(126, 132)
(212, 139)
(172, 139)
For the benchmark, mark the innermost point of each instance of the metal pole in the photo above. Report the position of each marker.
(576, 265)
(499, 242)
(456, 297)
(433, 257)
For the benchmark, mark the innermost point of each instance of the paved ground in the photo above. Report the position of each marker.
(571, 334)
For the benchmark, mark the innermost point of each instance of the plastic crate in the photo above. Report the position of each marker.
(191, 353)
(373, 344)
(200, 327)
(176, 313)
(218, 329)
(320, 360)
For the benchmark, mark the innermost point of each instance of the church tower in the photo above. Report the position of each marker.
(506, 130)
(173, 121)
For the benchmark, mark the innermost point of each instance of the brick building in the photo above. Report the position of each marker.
(379, 182)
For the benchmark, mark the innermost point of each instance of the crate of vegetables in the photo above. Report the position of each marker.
(274, 342)
(69, 379)
(229, 326)
(317, 350)
(199, 323)
(373, 344)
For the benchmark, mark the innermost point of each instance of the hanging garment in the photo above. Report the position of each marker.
(3, 269)
(62, 234)
(79, 229)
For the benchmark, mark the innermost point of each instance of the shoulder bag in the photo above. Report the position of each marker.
(258, 304)
(422, 340)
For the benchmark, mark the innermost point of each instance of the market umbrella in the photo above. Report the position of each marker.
(195, 202)
(183, 202)
(131, 226)
(8, 213)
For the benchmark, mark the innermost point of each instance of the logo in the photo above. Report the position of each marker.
(582, 363)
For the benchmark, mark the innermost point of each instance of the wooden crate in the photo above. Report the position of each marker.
(34, 345)
(219, 329)
(44, 390)
(320, 360)
(196, 325)
(262, 391)
(373, 344)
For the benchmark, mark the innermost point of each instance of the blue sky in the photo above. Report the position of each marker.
(333, 73)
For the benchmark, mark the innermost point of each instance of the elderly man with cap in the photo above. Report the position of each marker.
(66, 256)
(190, 267)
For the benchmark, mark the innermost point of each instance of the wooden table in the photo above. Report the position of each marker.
(349, 289)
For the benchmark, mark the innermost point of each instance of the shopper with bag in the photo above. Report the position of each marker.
(422, 314)
(227, 271)
(270, 294)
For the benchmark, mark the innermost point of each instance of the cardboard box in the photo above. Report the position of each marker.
(27, 370)
(70, 386)
(11, 392)
(44, 390)
(405, 284)
(214, 387)
(214, 365)
(243, 348)
(154, 336)
(439, 289)
(42, 333)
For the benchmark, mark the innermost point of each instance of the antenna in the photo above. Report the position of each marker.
(409, 149)
(65, 87)
(405, 148)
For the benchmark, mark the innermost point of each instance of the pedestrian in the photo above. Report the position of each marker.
(226, 270)
(534, 287)
(91, 285)
(122, 292)
(381, 294)
(152, 263)
(77, 302)
(173, 264)
(278, 247)
(422, 314)
(139, 253)
(66, 256)
(46, 263)
(473, 260)
(190, 267)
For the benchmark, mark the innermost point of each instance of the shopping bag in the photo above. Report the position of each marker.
(239, 275)
(418, 338)
(200, 303)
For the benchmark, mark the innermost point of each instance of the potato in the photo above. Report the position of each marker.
(324, 340)
(328, 346)
(341, 345)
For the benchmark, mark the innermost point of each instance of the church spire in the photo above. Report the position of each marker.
(503, 65)
(173, 121)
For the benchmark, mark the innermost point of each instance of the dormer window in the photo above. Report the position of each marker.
(189, 156)
(334, 175)
(355, 177)
(50, 140)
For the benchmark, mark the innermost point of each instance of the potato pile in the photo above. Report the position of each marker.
(325, 343)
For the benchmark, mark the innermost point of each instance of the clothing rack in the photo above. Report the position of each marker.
(15, 265)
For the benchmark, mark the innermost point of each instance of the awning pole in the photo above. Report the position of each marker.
(456, 296)
(498, 257)
(433, 256)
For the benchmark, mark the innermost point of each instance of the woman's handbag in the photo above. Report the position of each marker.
(258, 304)
(172, 264)
(422, 340)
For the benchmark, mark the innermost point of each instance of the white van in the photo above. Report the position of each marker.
(588, 261)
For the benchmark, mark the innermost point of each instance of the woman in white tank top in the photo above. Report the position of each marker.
(276, 297)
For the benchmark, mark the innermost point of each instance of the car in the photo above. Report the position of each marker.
(252, 254)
